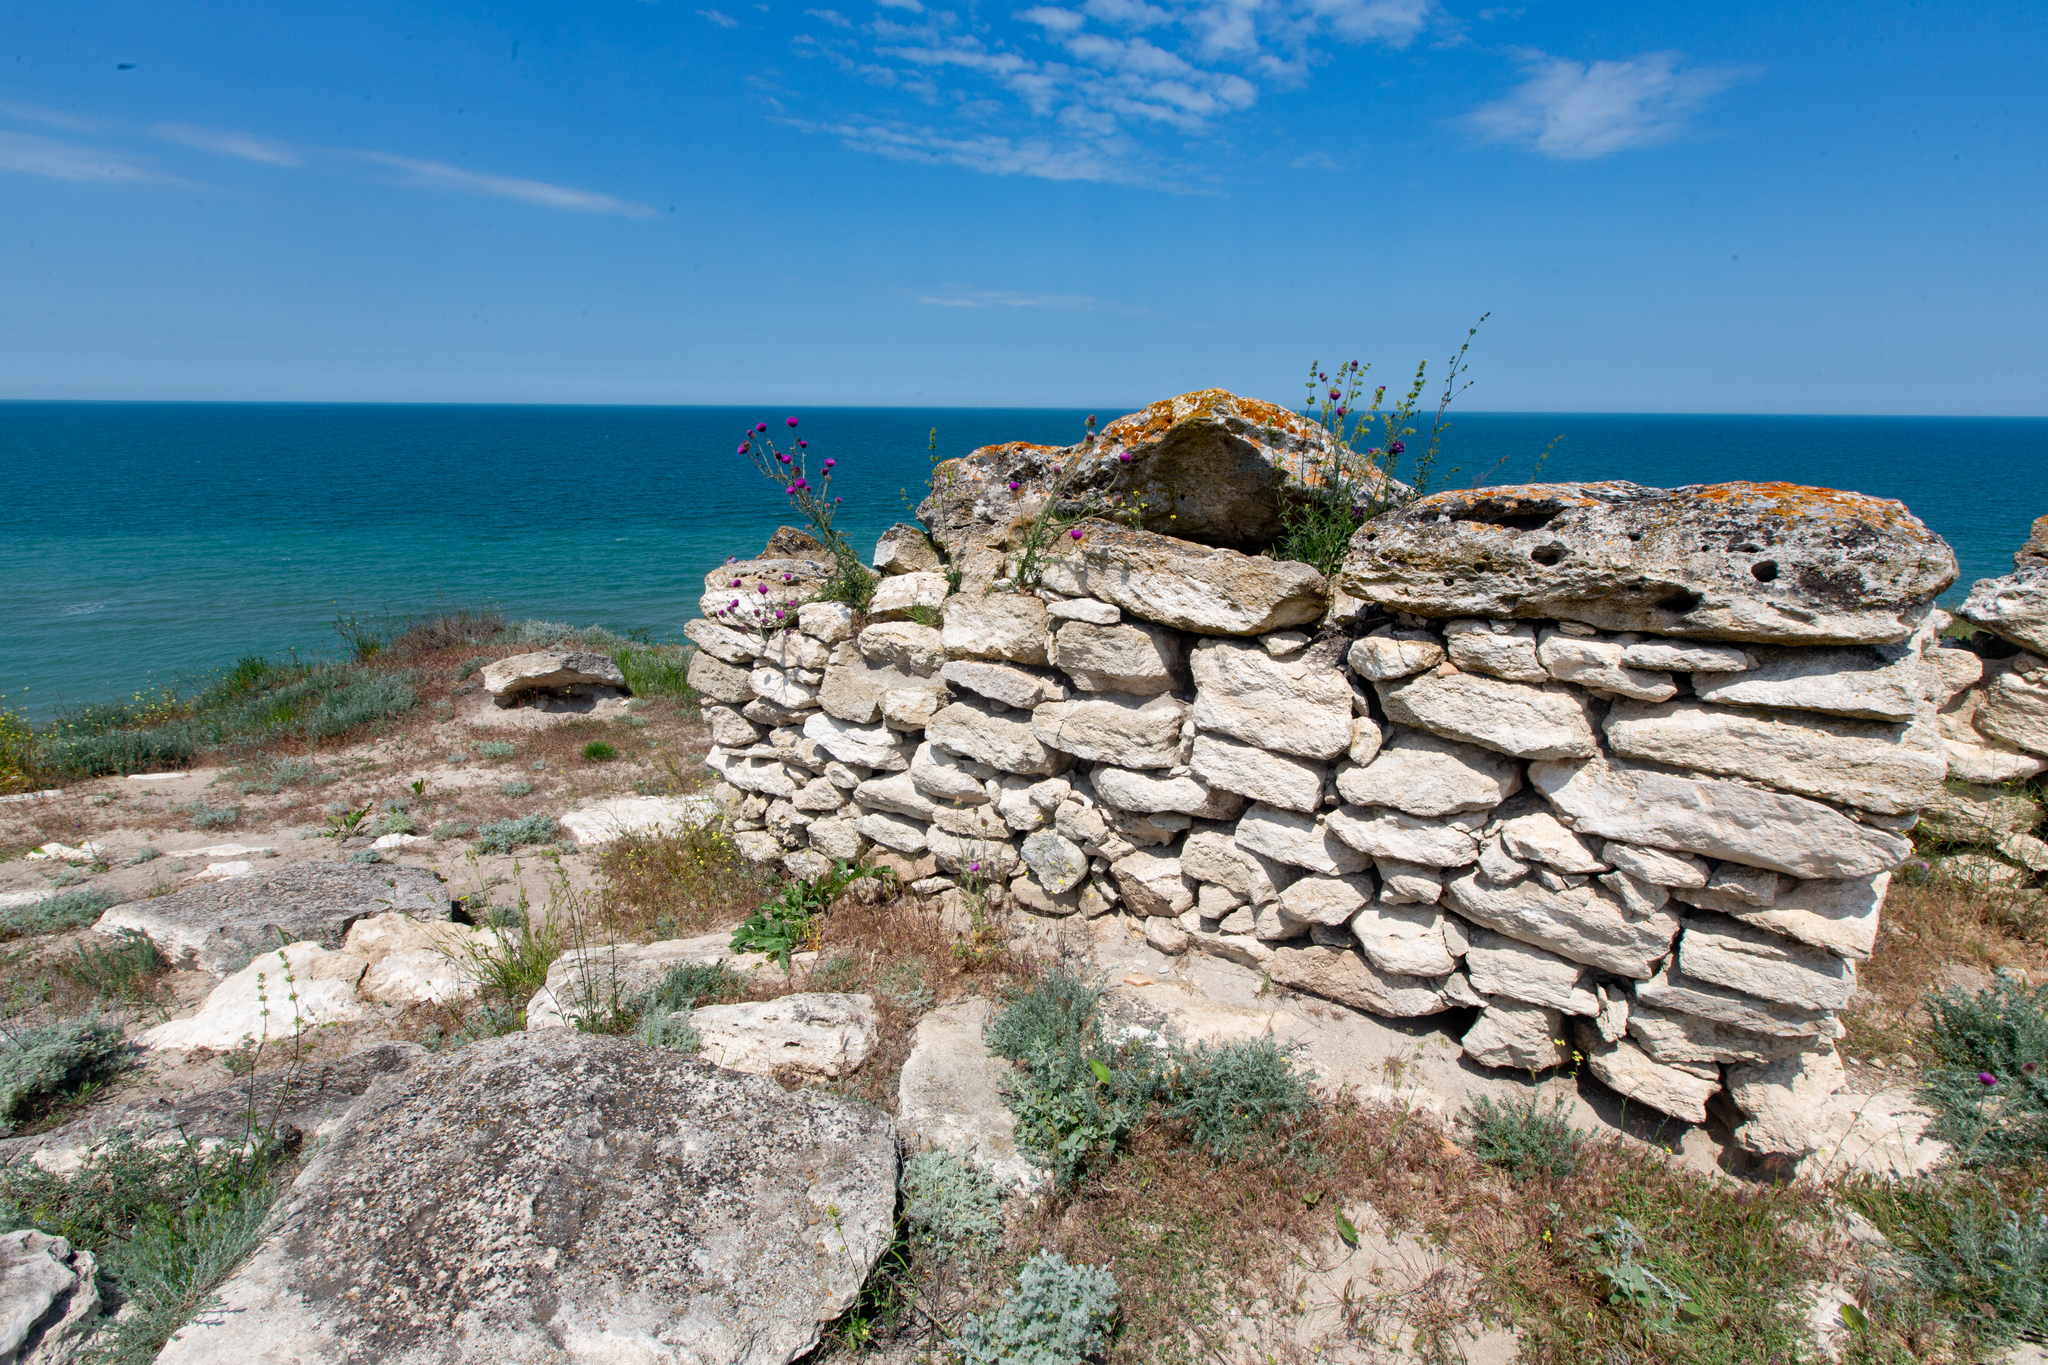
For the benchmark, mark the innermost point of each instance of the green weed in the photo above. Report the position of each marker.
(1058, 1314)
(503, 836)
(1991, 1087)
(1523, 1138)
(495, 748)
(41, 1064)
(785, 924)
(1077, 1097)
(657, 671)
(125, 969)
(72, 910)
(518, 786)
(597, 751)
(951, 1203)
(1240, 1098)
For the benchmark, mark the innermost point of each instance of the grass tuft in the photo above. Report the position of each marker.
(503, 836)
(1523, 1138)
(41, 1064)
(72, 910)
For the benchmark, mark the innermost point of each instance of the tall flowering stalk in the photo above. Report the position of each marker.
(852, 582)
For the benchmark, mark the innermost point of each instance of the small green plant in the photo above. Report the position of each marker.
(657, 671)
(146, 854)
(495, 748)
(1626, 1281)
(671, 1029)
(452, 829)
(597, 751)
(204, 816)
(518, 786)
(1524, 1138)
(696, 983)
(905, 986)
(784, 925)
(514, 964)
(852, 582)
(126, 969)
(1076, 1096)
(951, 1203)
(394, 822)
(1991, 1089)
(41, 1064)
(1240, 1097)
(469, 669)
(343, 823)
(503, 836)
(366, 855)
(1058, 1314)
(72, 910)
(925, 614)
(363, 642)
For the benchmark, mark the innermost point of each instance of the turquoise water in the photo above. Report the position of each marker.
(152, 543)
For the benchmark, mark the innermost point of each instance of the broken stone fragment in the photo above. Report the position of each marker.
(1510, 1033)
(1680, 1089)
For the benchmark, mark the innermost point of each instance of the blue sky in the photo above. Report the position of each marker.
(1666, 208)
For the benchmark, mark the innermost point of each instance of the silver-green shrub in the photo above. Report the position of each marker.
(950, 1202)
(1058, 1314)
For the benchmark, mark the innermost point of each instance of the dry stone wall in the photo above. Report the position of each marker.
(1610, 769)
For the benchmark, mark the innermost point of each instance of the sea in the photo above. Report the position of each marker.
(149, 545)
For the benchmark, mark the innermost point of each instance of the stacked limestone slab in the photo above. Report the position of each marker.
(1600, 767)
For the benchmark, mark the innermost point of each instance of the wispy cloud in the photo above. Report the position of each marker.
(33, 155)
(831, 16)
(441, 175)
(247, 146)
(955, 297)
(722, 20)
(1090, 89)
(1576, 111)
(52, 118)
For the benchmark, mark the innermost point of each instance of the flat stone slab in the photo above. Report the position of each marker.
(950, 1094)
(601, 822)
(562, 1196)
(549, 670)
(219, 928)
(1734, 561)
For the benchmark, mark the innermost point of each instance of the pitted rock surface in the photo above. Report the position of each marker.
(1208, 466)
(565, 1197)
(219, 927)
(1737, 561)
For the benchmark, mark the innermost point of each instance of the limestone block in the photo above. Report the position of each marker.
(1680, 1089)
(1387, 654)
(1732, 887)
(971, 822)
(907, 645)
(1148, 793)
(1192, 587)
(1345, 976)
(1509, 1033)
(1447, 842)
(1636, 897)
(838, 837)
(1402, 940)
(1212, 856)
(1011, 684)
(1275, 779)
(2015, 710)
(1328, 900)
(909, 709)
(829, 622)
(785, 690)
(1213, 902)
(2014, 607)
(867, 746)
(1152, 884)
(1686, 656)
(507, 680)
(943, 776)
(1297, 840)
(899, 793)
(894, 597)
(761, 775)
(257, 1004)
(729, 728)
(1840, 916)
(1786, 1101)
(49, 1299)
(1716, 818)
(1504, 649)
(1873, 765)
(756, 594)
(724, 643)
(791, 649)
(416, 962)
(1598, 664)
(905, 834)
(1527, 721)
(1057, 862)
(1726, 952)
(1975, 814)
(1673, 1037)
(816, 1034)
(1655, 866)
(1884, 683)
(1084, 609)
(1423, 774)
(1366, 738)
(1299, 705)
(1003, 739)
(1673, 992)
(1583, 923)
(904, 549)
(996, 625)
(991, 860)
(1404, 883)
(1134, 658)
(1125, 732)
(1538, 838)
(719, 681)
(1737, 562)
(1500, 966)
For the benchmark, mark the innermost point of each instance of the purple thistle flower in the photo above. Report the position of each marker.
(1124, 456)
(1395, 448)
(764, 589)
(736, 583)
(732, 559)
(743, 447)
(830, 463)
(1014, 485)
(974, 867)
(788, 578)
(1075, 533)
(792, 421)
(760, 426)
(1340, 412)
(1985, 1078)
(804, 445)
(735, 603)
(778, 616)
(800, 484)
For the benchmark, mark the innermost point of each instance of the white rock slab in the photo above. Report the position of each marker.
(257, 1003)
(812, 1033)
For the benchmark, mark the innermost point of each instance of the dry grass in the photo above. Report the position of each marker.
(1930, 928)
(676, 885)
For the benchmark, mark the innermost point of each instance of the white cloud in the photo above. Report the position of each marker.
(33, 155)
(54, 118)
(441, 175)
(912, 5)
(245, 145)
(1576, 111)
(722, 20)
(1005, 298)
(831, 16)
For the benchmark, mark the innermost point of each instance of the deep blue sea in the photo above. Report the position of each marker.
(149, 544)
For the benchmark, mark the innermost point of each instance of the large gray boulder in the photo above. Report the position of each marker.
(565, 1197)
(1768, 562)
(550, 670)
(219, 927)
(1207, 466)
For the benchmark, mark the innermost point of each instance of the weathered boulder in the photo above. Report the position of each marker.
(1447, 842)
(904, 549)
(566, 1196)
(1135, 658)
(549, 670)
(1189, 587)
(1345, 976)
(1403, 940)
(1786, 1102)
(1003, 739)
(1125, 732)
(1208, 466)
(1716, 818)
(259, 1005)
(1861, 763)
(1582, 923)
(218, 928)
(1525, 720)
(1255, 772)
(1298, 840)
(416, 962)
(809, 1033)
(1738, 561)
(764, 593)
(1298, 705)
(2014, 607)
(950, 1094)
(1148, 794)
(1768, 966)
(600, 822)
(1498, 965)
(1888, 683)
(594, 982)
(49, 1298)
(1011, 684)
